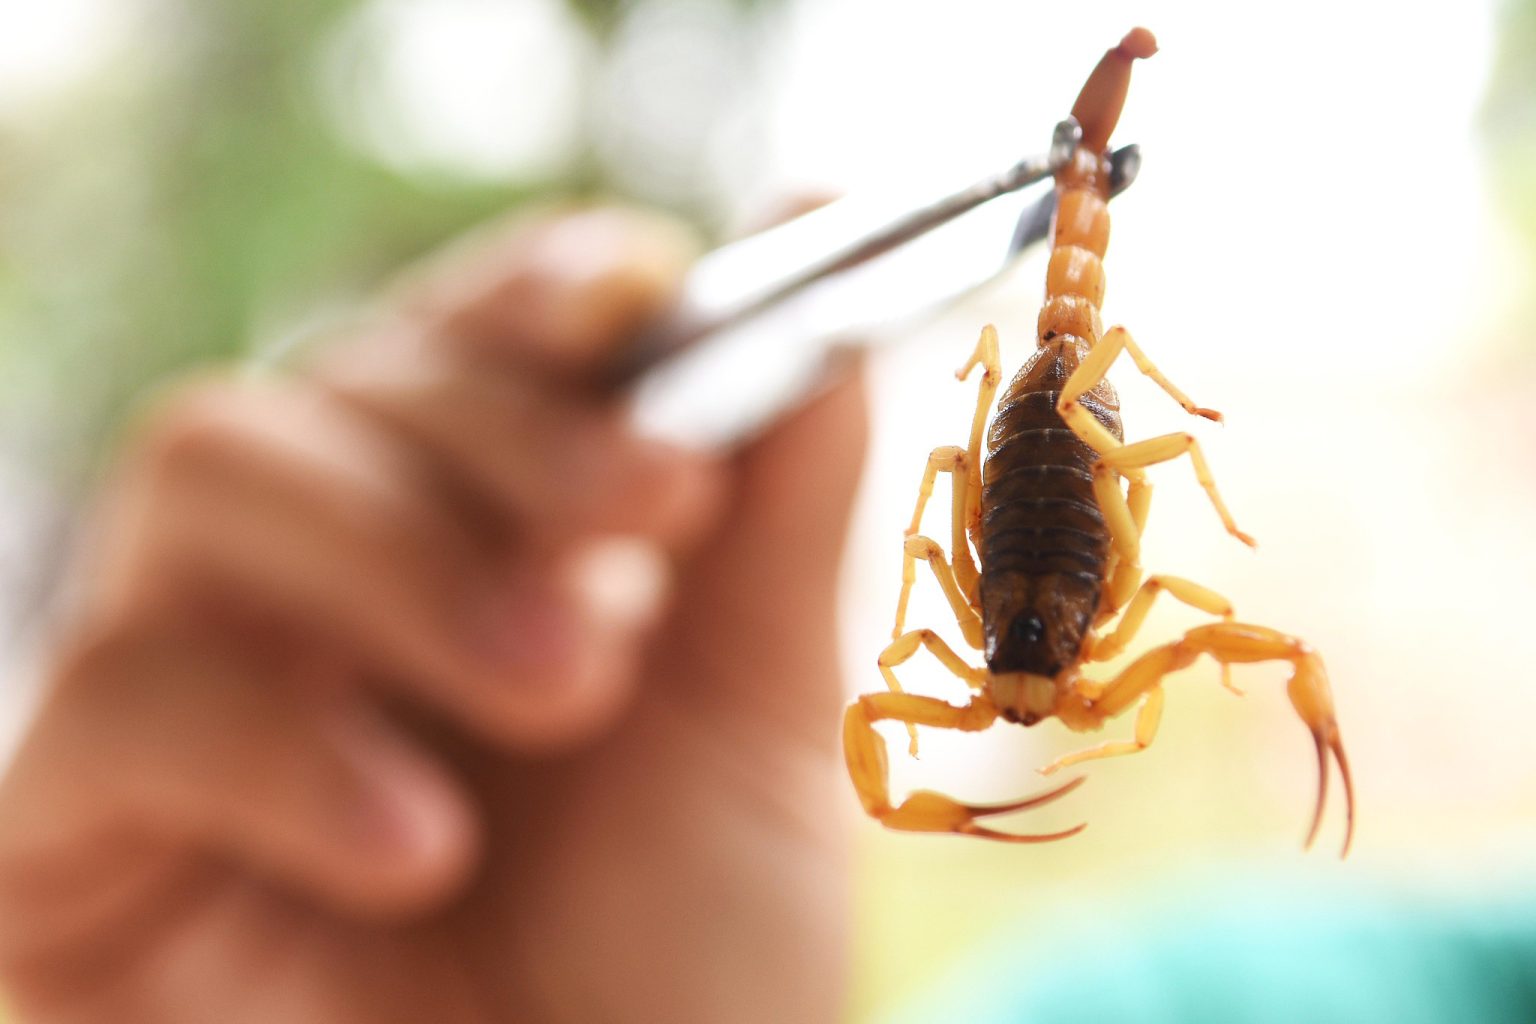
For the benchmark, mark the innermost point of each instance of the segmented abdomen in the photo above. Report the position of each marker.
(1038, 511)
(1044, 544)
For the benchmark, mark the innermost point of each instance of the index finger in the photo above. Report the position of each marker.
(561, 292)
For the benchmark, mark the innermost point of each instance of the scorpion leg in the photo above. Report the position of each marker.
(1137, 502)
(925, 810)
(1134, 457)
(1118, 338)
(958, 577)
(952, 460)
(903, 647)
(986, 356)
(1192, 594)
(966, 615)
(1239, 643)
(1147, 720)
(1120, 511)
(1130, 460)
(946, 459)
(964, 468)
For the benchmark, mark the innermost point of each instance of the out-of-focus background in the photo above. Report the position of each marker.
(1331, 241)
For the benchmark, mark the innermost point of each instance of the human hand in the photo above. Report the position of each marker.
(351, 722)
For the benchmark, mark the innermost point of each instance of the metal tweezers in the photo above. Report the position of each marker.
(759, 321)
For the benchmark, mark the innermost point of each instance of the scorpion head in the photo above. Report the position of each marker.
(1035, 624)
(1023, 697)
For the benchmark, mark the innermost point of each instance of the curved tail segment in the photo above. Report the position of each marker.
(1074, 283)
(1098, 106)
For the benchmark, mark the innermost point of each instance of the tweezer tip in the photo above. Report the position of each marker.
(1124, 165)
(1064, 140)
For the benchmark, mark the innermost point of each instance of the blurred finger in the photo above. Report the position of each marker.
(561, 293)
(290, 504)
(535, 451)
(181, 734)
(757, 607)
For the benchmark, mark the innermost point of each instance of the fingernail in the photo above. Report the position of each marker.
(407, 830)
(622, 581)
(385, 820)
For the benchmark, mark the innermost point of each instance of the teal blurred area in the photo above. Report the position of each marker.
(1214, 951)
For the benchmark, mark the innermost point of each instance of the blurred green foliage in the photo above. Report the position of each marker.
(193, 197)
(1509, 114)
(603, 16)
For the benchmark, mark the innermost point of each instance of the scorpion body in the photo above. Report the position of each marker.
(1044, 541)
(1056, 516)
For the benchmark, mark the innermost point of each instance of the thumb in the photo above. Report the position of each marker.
(755, 611)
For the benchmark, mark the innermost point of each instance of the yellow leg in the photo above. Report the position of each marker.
(1233, 643)
(959, 574)
(965, 615)
(1134, 457)
(1147, 720)
(903, 647)
(950, 459)
(1126, 516)
(1094, 365)
(1124, 531)
(1126, 576)
(1129, 460)
(985, 355)
(1192, 594)
(946, 459)
(1118, 338)
(1091, 431)
(924, 810)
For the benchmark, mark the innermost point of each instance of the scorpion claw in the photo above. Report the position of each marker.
(1210, 414)
(986, 810)
(970, 827)
(1325, 744)
(926, 811)
(973, 829)
(1322, 792)
(1349, 796)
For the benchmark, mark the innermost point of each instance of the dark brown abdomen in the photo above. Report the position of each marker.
(1044, 546)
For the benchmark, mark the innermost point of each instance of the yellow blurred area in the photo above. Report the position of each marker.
(1315, 246)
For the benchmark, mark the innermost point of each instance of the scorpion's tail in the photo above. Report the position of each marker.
(1098, 106)
(1074, 284)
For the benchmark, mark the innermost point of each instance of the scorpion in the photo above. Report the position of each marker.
(1058, 537)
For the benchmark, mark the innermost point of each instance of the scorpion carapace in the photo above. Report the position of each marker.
(1056, 515)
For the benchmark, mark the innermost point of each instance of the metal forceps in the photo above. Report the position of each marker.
(757, 321)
